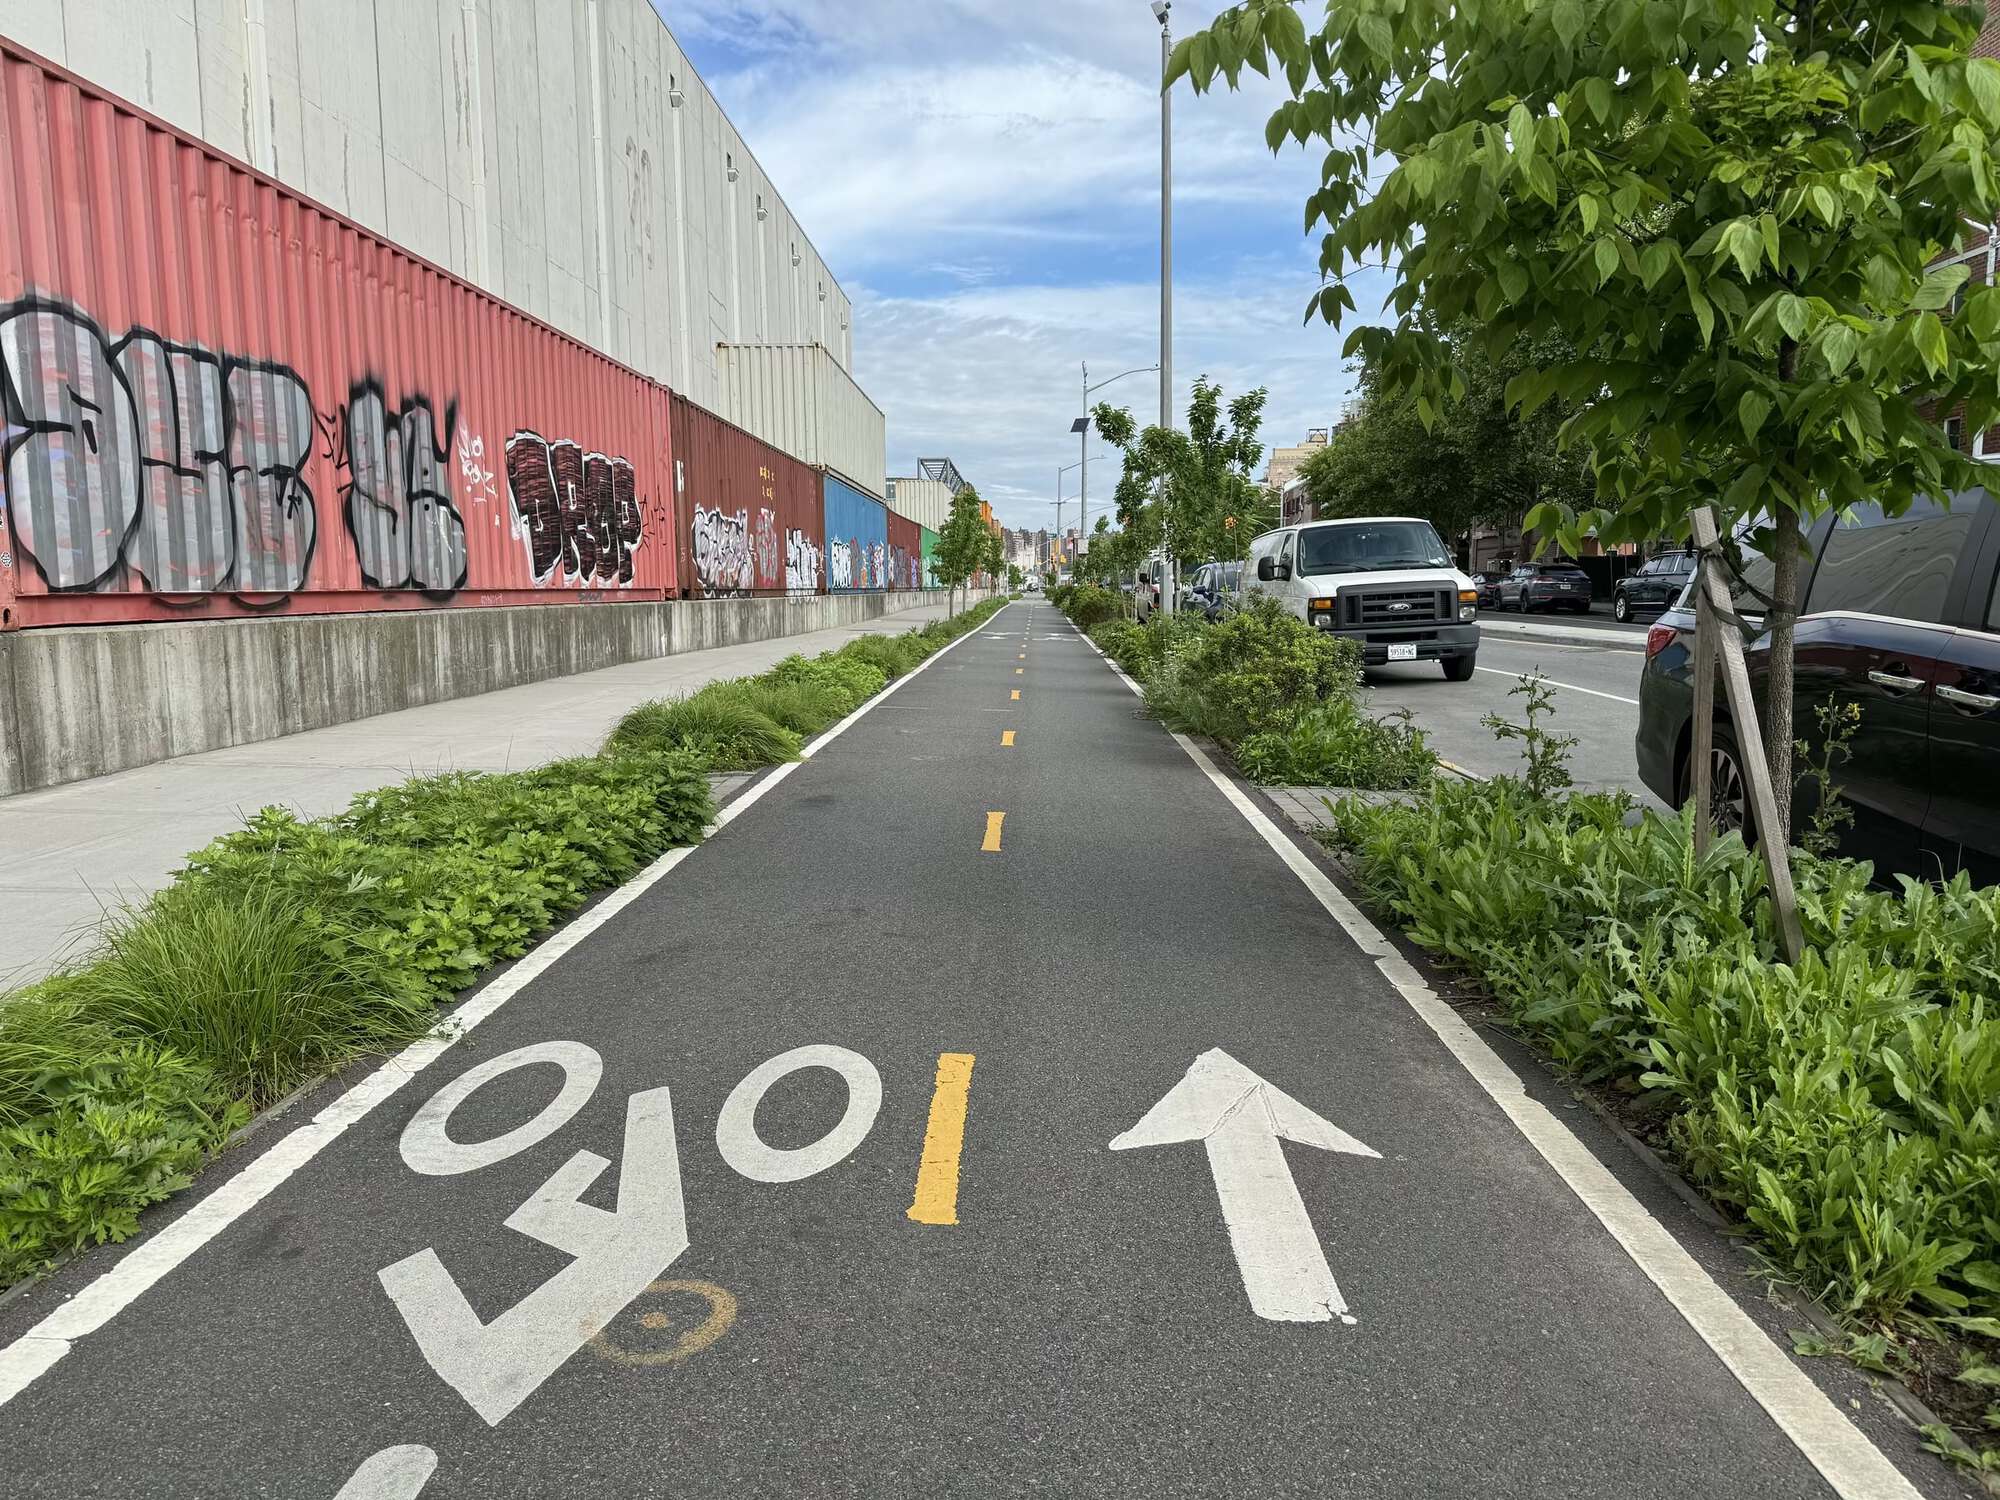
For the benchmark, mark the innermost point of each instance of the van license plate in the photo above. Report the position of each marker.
(1407, 651)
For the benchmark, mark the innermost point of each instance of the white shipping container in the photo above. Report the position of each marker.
(925, 501)
(798, 398)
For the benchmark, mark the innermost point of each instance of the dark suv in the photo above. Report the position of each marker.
(1546, 585)
(1901, 620)
(1654, 588)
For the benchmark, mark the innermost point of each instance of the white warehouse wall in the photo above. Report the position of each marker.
(469, 132)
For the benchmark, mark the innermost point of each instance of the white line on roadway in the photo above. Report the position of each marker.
(1843, 1454)
(1615, 698)
(115, 1289)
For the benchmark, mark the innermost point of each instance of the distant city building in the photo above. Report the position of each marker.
(1286, 462)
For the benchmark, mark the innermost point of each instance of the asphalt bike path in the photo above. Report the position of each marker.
(989, 1108)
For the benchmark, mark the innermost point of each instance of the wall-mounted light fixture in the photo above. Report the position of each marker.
(763, 213)
(730, 161)
(822, 291)
(675, 98)
(795, 253)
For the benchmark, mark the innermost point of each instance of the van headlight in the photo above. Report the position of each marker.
(1468, 605)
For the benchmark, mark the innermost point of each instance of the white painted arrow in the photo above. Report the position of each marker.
(1240, 1119)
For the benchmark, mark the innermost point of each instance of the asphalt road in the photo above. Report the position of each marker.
(1596, 699)
(637, 1260)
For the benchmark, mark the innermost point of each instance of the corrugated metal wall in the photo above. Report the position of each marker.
(906, 553)
(930, 541)
(798, 397)
(220, 398)
(925, 501)
(857, 539)
(753, 513)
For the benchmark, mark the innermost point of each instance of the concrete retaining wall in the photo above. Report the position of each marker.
(88, 700)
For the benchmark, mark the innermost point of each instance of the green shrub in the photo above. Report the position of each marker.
(1086, 605)
(261, 988)
(1336, 744)
(894, 654)
(1844, 1108)
(103, 1136)
(1259, 669)
(729, 735)
(803, 707)
(855, 679)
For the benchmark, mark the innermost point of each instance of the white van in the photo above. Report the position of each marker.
(1384, 581)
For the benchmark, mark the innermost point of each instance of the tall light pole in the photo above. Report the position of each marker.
(1162, 10)
(1081, 427)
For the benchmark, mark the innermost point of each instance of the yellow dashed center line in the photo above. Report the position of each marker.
(992, 842)
(1006, 737)
(1019, 671)
(936, 1201)
(1017, 695)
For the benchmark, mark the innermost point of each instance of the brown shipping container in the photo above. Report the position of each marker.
(221, 399)
(753, 517)
(906, 553)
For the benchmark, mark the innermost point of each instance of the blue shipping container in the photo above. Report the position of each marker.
(857, 539)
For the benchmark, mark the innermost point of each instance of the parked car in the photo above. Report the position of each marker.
(1488, 585)
(1384, 581)
(1654, 587)
(1546, 585)
(1900, 620)
(1213, 589)
(1148, 586)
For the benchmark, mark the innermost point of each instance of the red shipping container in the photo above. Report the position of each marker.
(221, 399)
(906, 553)
(753, 515)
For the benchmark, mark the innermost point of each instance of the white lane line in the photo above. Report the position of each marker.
(32, 1354)
(1503, 672)
(1843, 1454)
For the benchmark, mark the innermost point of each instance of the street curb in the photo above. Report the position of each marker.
(1556, 635)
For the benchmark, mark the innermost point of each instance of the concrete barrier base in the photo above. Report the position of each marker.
(82, 701)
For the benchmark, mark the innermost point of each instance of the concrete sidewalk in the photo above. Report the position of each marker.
(69, 853)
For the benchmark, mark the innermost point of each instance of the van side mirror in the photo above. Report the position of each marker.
(1266, 570)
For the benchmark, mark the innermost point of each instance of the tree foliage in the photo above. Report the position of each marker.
(1193, 492)
(961, 549)
(1728, 209)
(1479, 464)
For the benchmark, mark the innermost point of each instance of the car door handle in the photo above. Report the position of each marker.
(1896, 683)
(1978, 702)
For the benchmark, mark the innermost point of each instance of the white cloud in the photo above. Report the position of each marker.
(989, 376)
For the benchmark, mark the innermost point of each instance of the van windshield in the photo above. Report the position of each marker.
(1371, 546)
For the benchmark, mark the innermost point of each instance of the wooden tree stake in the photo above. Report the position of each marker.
(1713, 623)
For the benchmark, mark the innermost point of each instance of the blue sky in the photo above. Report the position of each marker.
(984, 178)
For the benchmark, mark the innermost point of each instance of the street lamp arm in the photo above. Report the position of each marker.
(1142, 370)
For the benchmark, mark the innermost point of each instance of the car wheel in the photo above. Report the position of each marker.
(1729, 791)
(1621, 609)
(1460, 668)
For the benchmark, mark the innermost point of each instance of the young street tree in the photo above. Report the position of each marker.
(1729, 209)
(962, 544)
(1208, 504)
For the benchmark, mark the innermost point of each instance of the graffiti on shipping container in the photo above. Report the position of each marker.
(722, 560)
(407, 532)
(855, 564)
(183, 466)
(905, 568)
(803, 563)
(576, 511)
(136, 462)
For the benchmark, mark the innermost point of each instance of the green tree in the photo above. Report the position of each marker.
(1480, 463)
(1729, 209)
(1015, 577)
(993, 556)
(1193, 491)
(961, 545)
